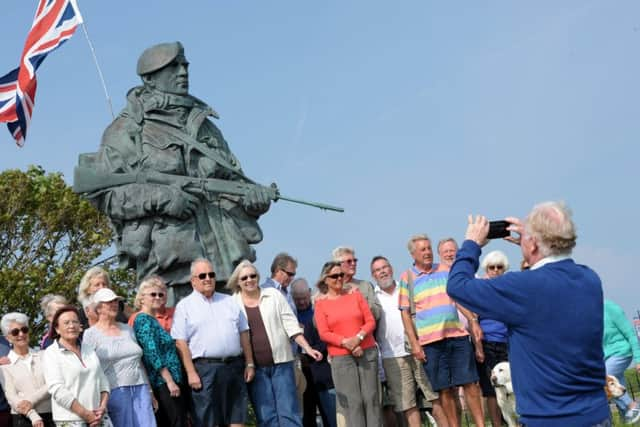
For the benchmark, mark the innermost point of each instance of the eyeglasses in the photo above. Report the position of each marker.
(248, 276)
(15, 332)
(289, 273)
(335, 276)
(71, 323)
(156, 294)
(350, 261)
(210, 275)
(495, 267)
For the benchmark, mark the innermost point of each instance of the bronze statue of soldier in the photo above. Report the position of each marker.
(150, 172)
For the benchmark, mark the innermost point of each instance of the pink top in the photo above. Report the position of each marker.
(344, 317)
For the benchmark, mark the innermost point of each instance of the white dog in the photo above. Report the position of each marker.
(501, 380)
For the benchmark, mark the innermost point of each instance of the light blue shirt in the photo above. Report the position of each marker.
(271, 283)
(210, 326)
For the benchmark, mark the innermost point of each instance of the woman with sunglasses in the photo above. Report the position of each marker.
(346, 324)
(78, 386)
(494, 340)
(272, 326)
(92, 281)
(159, 354)
(23, 378)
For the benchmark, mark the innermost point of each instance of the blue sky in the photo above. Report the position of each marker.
(410, 114)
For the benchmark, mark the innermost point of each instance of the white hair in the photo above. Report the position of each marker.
(10, 318)
(551, 225)
(338, 252)
(495, 258)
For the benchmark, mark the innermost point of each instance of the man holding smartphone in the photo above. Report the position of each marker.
(554, 313)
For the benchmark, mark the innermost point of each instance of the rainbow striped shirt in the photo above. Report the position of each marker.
(436, 314)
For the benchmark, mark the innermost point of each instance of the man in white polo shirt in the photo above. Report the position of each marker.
(212, 337)
(405, 377)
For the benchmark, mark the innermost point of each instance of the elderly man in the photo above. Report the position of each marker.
(554, 314)
(436, 335)
(348, 264)
(447, 249)
(151, 170)
(405, 375)
(212, 337)
(320, 391)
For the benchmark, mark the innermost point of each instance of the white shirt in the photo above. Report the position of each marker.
(549, 259)
(23, 379)
(279, 322)
(210, 326)
(390, 332)
(70, 379)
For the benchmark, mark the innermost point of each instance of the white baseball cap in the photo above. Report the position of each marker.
(104, 295)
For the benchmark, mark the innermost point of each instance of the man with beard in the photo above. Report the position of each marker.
(405, 375)
(447, 249)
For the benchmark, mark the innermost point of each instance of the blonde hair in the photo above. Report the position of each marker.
(326, 268)
(233, 284)
(86, 279)
(153, 281)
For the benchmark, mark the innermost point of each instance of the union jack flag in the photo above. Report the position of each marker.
(54, 23)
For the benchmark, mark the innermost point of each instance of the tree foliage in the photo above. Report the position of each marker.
(49, 236)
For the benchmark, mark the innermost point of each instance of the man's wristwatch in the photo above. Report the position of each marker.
(250, 365)
(361, 336)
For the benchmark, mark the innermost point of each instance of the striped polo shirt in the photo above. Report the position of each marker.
(436, 314)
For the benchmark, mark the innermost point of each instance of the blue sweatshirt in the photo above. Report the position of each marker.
(554, 316)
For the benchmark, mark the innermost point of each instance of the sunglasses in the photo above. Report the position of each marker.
(210, 275)
(156, 294)
(495, 267)
(350, 261)
(335, 276)
(15, 332)
(247, 277)
(290, 274)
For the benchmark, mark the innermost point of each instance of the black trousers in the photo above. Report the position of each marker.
(172, 411)
(22, 421)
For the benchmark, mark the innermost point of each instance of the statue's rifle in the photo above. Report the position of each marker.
(88, 180)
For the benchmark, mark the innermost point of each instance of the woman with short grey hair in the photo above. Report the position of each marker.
(23, 379)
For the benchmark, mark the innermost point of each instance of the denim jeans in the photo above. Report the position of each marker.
(616, 366)
(274, 398)
(328, 403)
(130, 406)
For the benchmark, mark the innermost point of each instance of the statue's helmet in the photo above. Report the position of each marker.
(158, 56)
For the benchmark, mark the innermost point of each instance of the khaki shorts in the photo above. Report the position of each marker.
(405, 376)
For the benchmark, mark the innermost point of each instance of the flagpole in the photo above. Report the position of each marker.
(95, 58)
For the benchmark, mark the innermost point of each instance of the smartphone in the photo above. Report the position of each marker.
(498, 229)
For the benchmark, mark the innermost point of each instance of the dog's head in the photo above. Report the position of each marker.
(501, 375)
(613, 388)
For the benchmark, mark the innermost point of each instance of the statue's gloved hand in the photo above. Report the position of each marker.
(177, 203)
(257, 201)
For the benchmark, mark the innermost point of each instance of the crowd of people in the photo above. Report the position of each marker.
(352, 352)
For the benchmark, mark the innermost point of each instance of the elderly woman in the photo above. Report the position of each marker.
(77, 384)
(346, 324)
(23, 379)
(93, 280)
(273, 325)
(159, 354)
(162, 313)
(621, 349)
(50, 303)
(130, 404)
(494, 340)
